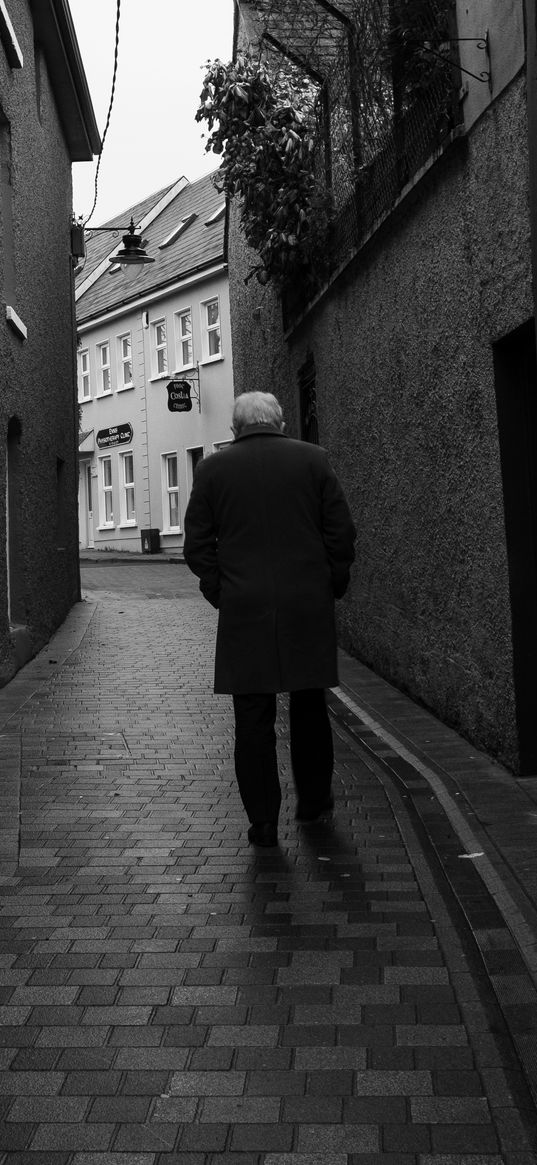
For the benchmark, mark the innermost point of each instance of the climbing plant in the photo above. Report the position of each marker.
(263, 126)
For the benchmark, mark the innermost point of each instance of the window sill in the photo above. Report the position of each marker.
(159, 376)
(102, 395)
(212, 359)
(105, 528)
(183, 371)
(85, 400)
(172, 530)
(127, 525)
(123, 388)
(15, 323)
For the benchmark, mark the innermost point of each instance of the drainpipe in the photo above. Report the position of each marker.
(530, 19)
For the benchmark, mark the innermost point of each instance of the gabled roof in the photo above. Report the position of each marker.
(198, 246)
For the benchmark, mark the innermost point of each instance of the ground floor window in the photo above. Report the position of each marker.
(170, 507)
(128, 512)
(106, 494)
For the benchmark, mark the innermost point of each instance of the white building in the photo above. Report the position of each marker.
(155, 378)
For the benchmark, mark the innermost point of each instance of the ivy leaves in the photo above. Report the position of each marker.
(264, 130)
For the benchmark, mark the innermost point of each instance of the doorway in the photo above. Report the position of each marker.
(515, 372)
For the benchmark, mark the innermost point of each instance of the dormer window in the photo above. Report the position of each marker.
(177, 230)
(220, 210)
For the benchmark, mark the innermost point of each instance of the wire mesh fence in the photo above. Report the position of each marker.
(387, 98)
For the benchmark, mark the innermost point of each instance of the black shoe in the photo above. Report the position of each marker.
(263, 833)
(308, 813)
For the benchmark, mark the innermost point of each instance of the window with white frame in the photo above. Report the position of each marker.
(212, 346)
(160, 348)
(125, 361)
(183, 338)
(128, 512)
(170, 506)
(106, 516)
(103, 353)
(84, 387)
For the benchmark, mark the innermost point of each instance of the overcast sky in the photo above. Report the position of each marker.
(153, 137)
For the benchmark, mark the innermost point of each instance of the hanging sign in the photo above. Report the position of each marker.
(116, 435)
(179, 396)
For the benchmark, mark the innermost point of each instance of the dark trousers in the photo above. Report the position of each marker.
(256, 764)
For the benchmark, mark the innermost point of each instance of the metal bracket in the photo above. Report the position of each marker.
(482, 42)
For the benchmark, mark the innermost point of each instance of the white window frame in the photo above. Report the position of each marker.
(124, 362)
(126, 487)
(105, 490)
(167, 490)
(104, 367)
(84, 378)
(208, 329)
(180, 340)
(156, 348)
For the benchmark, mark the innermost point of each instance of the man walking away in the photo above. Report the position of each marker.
(269, 534)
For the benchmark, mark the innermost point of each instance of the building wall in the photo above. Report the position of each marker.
(156, 430)
(402, 344)
(37, 373)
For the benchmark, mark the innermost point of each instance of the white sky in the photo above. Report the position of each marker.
(153, 137)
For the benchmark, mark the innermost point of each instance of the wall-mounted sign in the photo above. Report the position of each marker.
(116, 435)
(179, 396)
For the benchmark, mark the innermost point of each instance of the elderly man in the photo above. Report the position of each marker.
(269, 534)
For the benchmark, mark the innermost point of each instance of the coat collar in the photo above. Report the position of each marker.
(261, 430)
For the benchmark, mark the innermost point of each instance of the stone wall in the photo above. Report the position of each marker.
(402, 344)
(37, 373)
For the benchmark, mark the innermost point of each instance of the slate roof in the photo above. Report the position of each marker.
(198, 246)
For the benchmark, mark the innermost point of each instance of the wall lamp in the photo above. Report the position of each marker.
(131, 257)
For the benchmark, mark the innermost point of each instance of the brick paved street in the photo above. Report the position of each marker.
(168, 993)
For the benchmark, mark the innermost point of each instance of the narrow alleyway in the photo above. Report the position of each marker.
(168, 993)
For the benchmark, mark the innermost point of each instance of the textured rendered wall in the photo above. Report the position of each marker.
(36, 375)
(405, 389)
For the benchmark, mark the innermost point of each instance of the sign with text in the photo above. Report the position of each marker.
(116, 435)
(179, 396)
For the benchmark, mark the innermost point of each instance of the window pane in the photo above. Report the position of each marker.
(84, 360)
(128, 462)
(174, 509)
(214, 343)
(161, 334)
(127, 372)
(104, 355)
(107, 472)
(212, 313)
(172, 471)
(186, 351)
(162, 360)
(186, 326)
(129, 504)
(126, 347)
(108, 515)
(106, 379)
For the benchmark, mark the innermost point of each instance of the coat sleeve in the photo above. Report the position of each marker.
(201, 542)
(338, 530)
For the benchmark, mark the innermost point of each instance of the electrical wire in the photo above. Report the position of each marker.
(114, 75)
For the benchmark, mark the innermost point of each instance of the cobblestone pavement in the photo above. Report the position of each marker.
(169, 994)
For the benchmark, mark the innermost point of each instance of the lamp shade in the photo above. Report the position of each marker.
(131, 254)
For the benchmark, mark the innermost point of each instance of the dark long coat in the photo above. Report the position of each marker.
(269, 534)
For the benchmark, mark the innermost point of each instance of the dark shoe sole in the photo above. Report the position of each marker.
(265, 835)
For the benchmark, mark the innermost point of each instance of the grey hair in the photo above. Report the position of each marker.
(256, 408)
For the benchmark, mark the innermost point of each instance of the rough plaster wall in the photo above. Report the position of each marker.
(405, 388)
(37, 374)
(260, 357)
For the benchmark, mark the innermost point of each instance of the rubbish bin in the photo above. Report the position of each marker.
(150, 541)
